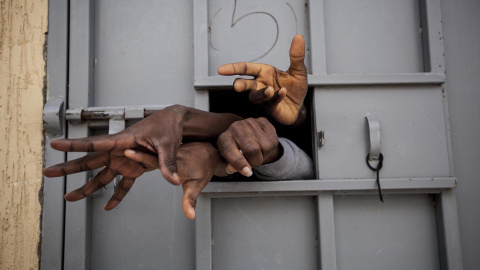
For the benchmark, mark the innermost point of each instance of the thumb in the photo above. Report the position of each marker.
(297, 56)
(167, 162)
(191, 190)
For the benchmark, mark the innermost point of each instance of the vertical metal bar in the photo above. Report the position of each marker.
(203, 235)
(77, 215)
(318, 58)
(449, 233)
(435, 35)
(200, 53)
(326, 223)
(434, 58)
(446, 117)
(425, 37)
(53, 189)
(316, 21)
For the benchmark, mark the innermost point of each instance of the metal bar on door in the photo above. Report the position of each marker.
(80, 94)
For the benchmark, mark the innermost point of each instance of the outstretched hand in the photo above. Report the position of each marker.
(114, 163)
(197, 163)
(281, 93)
(161, 134)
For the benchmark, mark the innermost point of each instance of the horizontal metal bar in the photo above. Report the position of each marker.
(376, 79)
(101, 115)
(214, 82)
(316, 193)
(222, 82)
(113, 108)
(330, 185)
(106, 113)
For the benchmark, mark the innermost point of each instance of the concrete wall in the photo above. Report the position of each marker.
(23, 25)
(461, 31)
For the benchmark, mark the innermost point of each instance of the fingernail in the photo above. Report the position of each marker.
(247, 171)
(176, 177)
(228, 171)
(130, 151)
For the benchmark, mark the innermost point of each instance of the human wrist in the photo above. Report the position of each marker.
(199, 124)
(302, 115)
(218, 164)
(276, 155)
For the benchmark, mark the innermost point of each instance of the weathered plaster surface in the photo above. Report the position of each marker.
(23, 24)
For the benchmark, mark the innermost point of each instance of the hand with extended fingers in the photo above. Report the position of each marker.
(161, 133)
(197, 162)
(281, 93)
(249, 143)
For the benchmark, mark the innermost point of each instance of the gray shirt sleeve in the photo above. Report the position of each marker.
(293, 165)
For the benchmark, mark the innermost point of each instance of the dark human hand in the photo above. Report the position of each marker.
(281, 93)
(161, 133)
(114, 164)
(197, 162)
(249, 143)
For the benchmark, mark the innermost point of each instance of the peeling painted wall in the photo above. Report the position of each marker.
(23, 25)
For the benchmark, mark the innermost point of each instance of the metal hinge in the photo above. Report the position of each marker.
(320, 139)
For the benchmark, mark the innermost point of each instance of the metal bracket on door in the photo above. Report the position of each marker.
(374, 132)
(53, 117)
(375, 154)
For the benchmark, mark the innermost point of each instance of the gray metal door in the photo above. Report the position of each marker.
(380, 58)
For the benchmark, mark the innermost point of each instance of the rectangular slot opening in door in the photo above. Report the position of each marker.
(229, 101)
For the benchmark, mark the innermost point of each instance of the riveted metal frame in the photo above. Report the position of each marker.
(77, 215)
(70, 65)
(434, 62)
(325, 190)
(53, 210)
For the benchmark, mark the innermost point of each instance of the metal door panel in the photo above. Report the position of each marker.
(141, 58)
(146, 231)
(398, 234)
(264, 233)
(143, 52)
(254, 31)
(412, 125)
(373, 36)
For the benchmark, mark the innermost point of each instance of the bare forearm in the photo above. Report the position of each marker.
(199, 124)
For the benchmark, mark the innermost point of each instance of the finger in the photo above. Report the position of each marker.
(148, 160)
(259, 96)
(241, 84)
(229, 151)
(120, 192)
(266, 136)
(250, 149)
(241, 68)
(266, 130)
(86, 163)
(191, 190)
(167, 162)
(101, 143)
(277, 98)
(297, 56)
(230, 169)
(103, 178)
